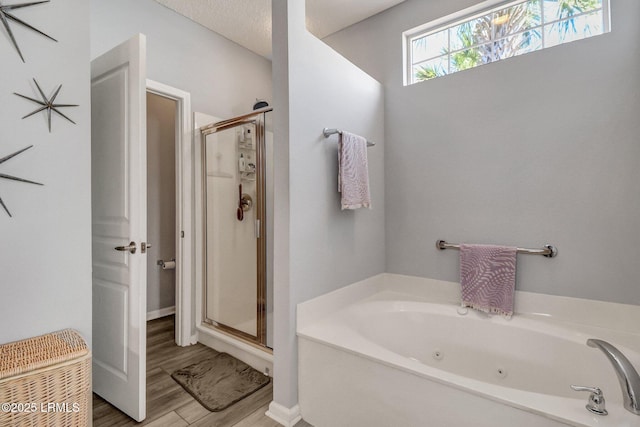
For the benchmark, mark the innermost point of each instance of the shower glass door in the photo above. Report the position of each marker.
(234, 211)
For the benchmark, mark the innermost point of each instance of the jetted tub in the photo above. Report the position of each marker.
(398, 351)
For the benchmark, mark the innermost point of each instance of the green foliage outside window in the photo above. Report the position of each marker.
(508, 32)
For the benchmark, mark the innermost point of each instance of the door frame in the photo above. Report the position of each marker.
(185, 267)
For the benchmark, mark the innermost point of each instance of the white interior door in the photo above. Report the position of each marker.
(119, 225)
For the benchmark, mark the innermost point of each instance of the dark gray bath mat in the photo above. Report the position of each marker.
(220, 381)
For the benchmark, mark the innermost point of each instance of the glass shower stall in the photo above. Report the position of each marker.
(237, 196)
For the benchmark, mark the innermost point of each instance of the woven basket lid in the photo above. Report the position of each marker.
(40, 352)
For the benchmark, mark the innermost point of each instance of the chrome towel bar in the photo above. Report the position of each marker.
(548, 251)
(328, 132)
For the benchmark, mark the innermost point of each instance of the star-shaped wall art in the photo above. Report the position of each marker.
(6, 16)
(14, 178)
(47, 104)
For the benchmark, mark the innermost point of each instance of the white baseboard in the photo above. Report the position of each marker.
(194, 339)
(288, 417)
(156, 314)
(252, 356)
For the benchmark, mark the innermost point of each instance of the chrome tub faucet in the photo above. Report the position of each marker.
(627, 375)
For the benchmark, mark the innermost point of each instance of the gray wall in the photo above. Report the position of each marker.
(224, 79)
(45, 249)
(161, 200)
(319, 248)
(542, 148)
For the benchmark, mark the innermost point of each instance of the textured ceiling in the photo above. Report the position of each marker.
(248, 22)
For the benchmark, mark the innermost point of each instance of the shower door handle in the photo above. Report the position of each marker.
(257, 227)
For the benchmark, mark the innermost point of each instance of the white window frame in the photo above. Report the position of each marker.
(464, 15)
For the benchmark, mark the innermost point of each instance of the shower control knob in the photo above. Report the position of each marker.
(596, 403)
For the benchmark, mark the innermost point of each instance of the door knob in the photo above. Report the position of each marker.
(131, 248)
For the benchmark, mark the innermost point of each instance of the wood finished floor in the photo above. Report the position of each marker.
(168, 405)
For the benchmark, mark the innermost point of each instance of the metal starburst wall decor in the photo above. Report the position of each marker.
(14, 178)
(47, 104)
(6, 15)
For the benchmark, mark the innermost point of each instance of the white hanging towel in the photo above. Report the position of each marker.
(353, 172)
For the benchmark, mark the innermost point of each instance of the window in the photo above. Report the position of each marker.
(494, 30)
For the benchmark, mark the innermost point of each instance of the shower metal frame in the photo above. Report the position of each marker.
(256, 117)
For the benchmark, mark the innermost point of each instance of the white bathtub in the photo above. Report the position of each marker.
(395, 351)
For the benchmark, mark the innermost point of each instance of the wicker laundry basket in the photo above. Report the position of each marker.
(46, 381)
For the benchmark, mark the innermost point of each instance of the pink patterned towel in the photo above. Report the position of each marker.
(353, 172)
(488, 277)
